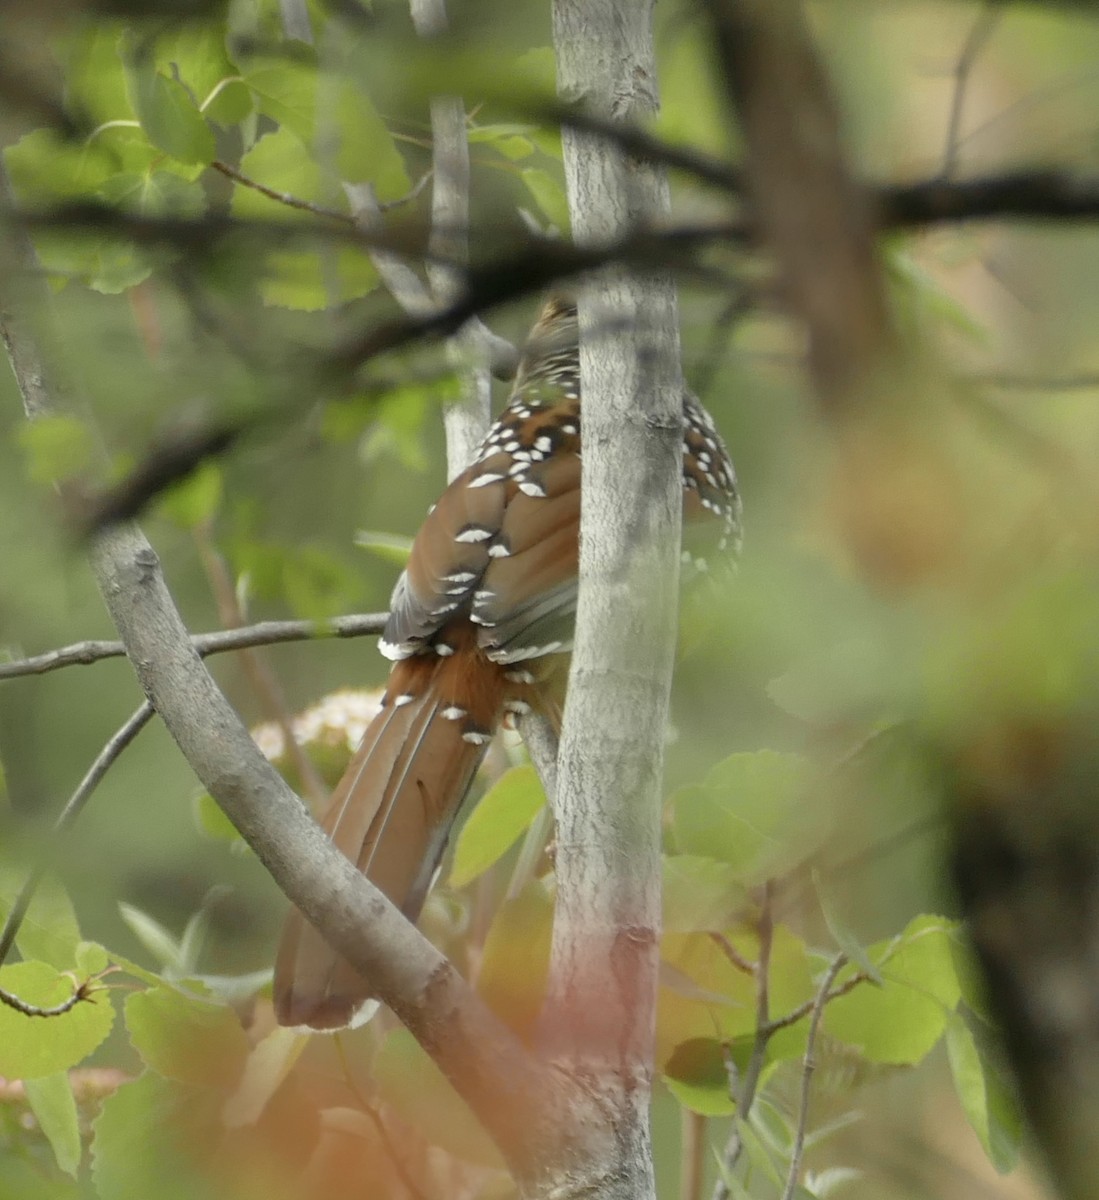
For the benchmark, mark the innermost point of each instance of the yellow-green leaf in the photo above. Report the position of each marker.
(496, 824)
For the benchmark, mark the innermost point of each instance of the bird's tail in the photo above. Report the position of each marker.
(391, 815)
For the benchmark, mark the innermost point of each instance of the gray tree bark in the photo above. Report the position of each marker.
(599, 1018)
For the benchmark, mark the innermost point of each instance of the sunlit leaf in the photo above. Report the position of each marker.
(743, 813)
(989, 1103)
(169, 115)
(902, 1020)
(31, 1047)
(500, 818)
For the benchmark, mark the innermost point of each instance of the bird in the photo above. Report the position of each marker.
(480, 626)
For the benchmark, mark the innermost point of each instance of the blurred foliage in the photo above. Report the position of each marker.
(817, 719)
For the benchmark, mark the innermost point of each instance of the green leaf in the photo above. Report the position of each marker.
(58, 447)
(197, 929)
(299, 279)
(501, 817)
(269, 1062)
(287, 92)
(91, 958)
(901, 1021)
(212, 821)
(168, 114)
(95, 73)
(160, 942)
(155, 194)
(365, 149)
(512, 141)
(144, 1140)
(31, 1047)
(49, 931)
(744, 814)
(700, 894)
(989, 1104)
(697, 1076)
(54, 1107)
(43, 167)
(195, 500)
(421, 1094)
(390, 547)
(196, 54)
(549, 194)
(185, 1038)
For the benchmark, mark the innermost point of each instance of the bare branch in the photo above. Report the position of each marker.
(733, 954)
(264, 633)
(808, 1066)
(284, 198)
(734, 1147)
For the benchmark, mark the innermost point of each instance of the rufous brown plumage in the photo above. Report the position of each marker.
(480, 625)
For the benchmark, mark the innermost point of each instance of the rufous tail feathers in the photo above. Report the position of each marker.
(392, 813)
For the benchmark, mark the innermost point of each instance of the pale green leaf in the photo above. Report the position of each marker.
(496, 824)
(168, 114)
(161, 943)
(31, 1047)
(54, 1107)
(184, 1038)
(391, 547)
(989, 1104)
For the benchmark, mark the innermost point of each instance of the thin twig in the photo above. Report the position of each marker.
(808, 1067)
(979, 34)
(81, 991)
(284, 198)
(803, 1010)
(733, 954)
(104, 760)
(264, 633)
(734, 1147)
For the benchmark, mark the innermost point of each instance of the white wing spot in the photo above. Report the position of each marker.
(473, 533)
